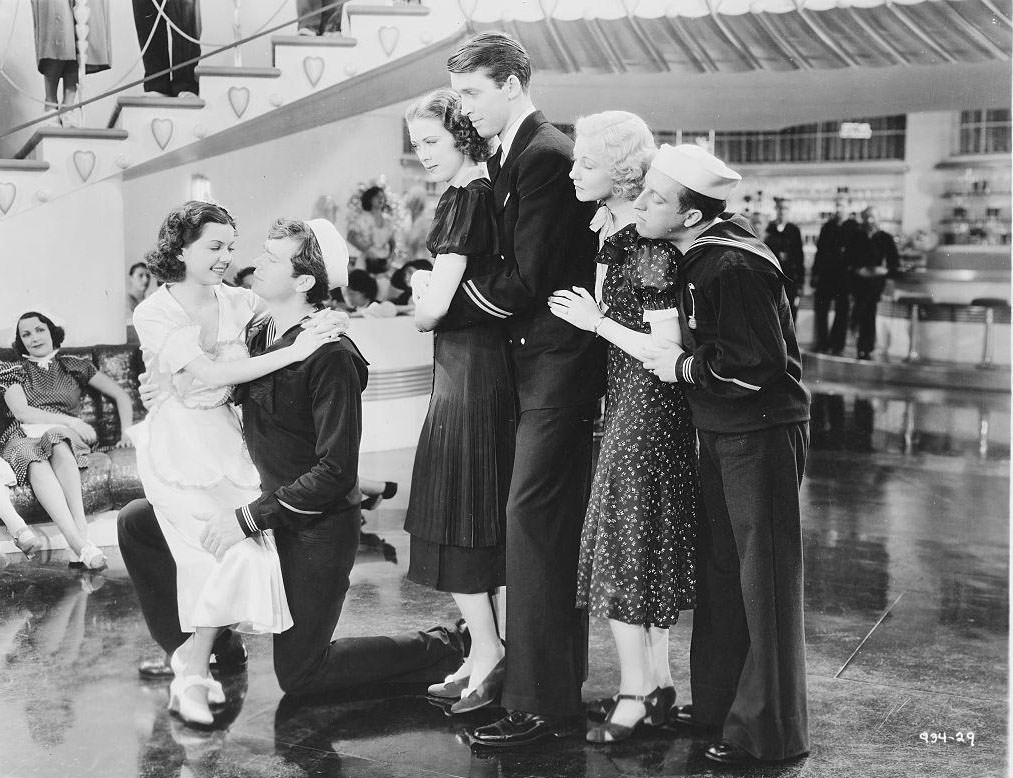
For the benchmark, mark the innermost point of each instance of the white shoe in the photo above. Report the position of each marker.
(187, 95)
(73, 118)
(190, 710)
(307, 32)
(93, 558)
(216, 694)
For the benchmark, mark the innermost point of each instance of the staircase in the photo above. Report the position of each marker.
(145, 133)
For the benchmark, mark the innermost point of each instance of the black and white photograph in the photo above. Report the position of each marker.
(505, 388)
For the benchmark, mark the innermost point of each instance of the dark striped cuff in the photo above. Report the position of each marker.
(246, 523)
(684, 368)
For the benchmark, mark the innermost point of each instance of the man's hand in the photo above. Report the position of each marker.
(221, 533)
(661, 361)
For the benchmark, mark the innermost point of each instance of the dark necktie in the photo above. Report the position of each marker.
(493, 164)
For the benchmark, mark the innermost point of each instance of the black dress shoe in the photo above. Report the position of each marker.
(683, 714)
(728, 753)
(522, 729)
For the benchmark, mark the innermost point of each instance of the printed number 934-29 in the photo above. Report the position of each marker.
(933, 738)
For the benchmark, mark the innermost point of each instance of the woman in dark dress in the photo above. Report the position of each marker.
(457, 508)
(636, 564)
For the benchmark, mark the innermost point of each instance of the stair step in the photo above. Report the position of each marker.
(225, 71)
(24, 165)
(386, 10)
(71, 133)
(154, 101)
(313, 40)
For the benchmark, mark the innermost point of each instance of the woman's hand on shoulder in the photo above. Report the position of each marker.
(327, 322)
(309, 341)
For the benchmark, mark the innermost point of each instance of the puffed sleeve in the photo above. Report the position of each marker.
(465, 222)
(655, 278)
(11, 373)
(175, 344)
(83, 370)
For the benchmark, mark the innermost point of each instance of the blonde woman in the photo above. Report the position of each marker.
(636, 558)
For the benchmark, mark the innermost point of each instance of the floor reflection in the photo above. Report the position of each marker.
(911, 421)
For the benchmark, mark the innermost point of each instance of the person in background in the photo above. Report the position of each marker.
(417, 204)
(871, 257)
(829, 281)
(401, 280)
(637, 567)
(25, 538)
(784, 239)
(372, 233)
(244, 277)
(360, 296)
(153, 36)
(138, 282)
(461, 477)
(56, 51)
(47, 443)
(313, 21)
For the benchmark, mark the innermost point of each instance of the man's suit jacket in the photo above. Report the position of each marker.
(546, 245)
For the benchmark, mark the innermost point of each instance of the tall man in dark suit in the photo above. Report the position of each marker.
(559, 375)
(785, 240)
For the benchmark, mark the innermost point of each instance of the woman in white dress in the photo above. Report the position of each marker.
(190, 452)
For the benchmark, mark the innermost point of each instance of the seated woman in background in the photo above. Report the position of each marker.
(46, 443)
(25, 538)
(401, 281)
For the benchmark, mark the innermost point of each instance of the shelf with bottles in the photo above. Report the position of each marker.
(974, 206)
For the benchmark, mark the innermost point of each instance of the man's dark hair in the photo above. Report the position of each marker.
(361, 281)
(137, 265)
(495, 53)
(308, 260)
(368, 195)
(708, 206)
(55, 332)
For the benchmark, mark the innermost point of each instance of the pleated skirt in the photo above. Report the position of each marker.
(461, 479)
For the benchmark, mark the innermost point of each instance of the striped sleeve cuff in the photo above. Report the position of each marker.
(684, 368)
(246, 523)
(482, 302)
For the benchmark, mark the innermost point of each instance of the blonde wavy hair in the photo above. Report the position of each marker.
(627, 144)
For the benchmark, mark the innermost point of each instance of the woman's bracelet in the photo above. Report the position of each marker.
(598, 324)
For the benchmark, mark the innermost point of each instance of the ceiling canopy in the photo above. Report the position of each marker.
(730, 36)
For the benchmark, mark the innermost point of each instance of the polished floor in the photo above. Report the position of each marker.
(906, 525)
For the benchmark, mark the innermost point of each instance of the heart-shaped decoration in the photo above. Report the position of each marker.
(7, 194)
(467, 7)
(239, 99)
(389, 36)
(84, 163)
(162, 129)
(313, 67)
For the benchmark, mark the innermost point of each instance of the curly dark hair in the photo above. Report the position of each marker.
(180, 228)
(444, 105)
(369, 194)
(308, 260)
(57, 333)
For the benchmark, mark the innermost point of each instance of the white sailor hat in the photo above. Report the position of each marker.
(697, 169)
(334, 250)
